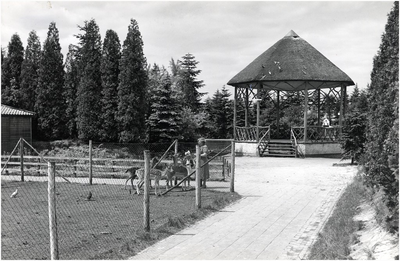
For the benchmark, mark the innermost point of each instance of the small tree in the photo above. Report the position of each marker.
(188, 82)
(164, 118)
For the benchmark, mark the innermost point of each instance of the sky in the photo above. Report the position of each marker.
(224, 36)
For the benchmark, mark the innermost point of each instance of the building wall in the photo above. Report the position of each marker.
(13, 128)
(308, 149)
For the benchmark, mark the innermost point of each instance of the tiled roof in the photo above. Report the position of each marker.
(7, 110)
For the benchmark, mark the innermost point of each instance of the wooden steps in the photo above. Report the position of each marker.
(277, 148)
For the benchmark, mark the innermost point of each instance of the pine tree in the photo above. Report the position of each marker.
(132, 87)
(30, 71)
(50, 105)
(71, 82)
(163, 120)
(111, 55)
(220, 109)
(382, 145)
(11, 72)
(188, 82)
(89, 88)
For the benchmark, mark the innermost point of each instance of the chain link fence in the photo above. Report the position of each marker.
(98, 211)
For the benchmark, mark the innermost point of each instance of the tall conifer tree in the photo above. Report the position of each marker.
(382, 146)
(30, 71)
(132, 87)
(111, 55)
(50, 105)
(89, 89)
(11, 72)
(71, 82)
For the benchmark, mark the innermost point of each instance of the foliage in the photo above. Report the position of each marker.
(89, 88)
(11, 71)
(71, 82)
(193, 124)
(164, 118)
(188, 82)
(355, 125)
(49, 105)
(381, 159)
(29, 72)
(132, 87)
(111, 54)
(220, 110)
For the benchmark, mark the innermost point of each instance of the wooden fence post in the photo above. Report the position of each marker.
(198, 189)
(21, 153)
(146, 201)
(52, 211)
(90, 163)
(232, 184)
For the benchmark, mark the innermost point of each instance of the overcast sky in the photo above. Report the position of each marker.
(223, 36)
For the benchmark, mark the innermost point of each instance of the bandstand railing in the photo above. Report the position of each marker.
(317, 134)
(250, 133)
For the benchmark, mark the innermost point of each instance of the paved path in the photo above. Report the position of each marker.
(285, 203)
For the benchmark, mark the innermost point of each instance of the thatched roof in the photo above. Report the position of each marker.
(288, 65)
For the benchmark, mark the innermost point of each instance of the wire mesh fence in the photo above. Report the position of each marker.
(24, 211)
(97, 207)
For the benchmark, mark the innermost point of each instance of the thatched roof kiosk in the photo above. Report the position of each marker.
(291, 64)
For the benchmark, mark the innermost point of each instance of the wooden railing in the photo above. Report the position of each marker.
(250, 133)
(318, 133)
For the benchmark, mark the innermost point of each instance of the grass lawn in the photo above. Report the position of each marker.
(109, 226)
(338, 233)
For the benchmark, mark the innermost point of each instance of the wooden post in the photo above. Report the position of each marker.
(305, 111)
(246, 108)
(232, 184)
(342, 98)
(258, 121)
(278, 109)
(90, 163)
(146, 201)
(234, 113)
(176, 148)
(198, 189)
(21, 153)
(319, 106)
(52, 211)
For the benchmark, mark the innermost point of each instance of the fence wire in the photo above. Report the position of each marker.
(98, 211)
(24, 209)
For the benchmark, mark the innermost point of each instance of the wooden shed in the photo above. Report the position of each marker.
(15, 124)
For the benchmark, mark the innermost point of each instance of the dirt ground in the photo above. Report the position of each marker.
(110, 223)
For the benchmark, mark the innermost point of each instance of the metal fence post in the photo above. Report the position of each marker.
(232, 184)
(198, 189)
(21, 153)
(90, 163)
(146, 201)
(52, 211)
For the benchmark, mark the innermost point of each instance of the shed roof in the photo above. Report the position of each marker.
(289, 65)
(8, 110)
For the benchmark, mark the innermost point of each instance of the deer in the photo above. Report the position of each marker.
(158, 172)
(183, 169)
